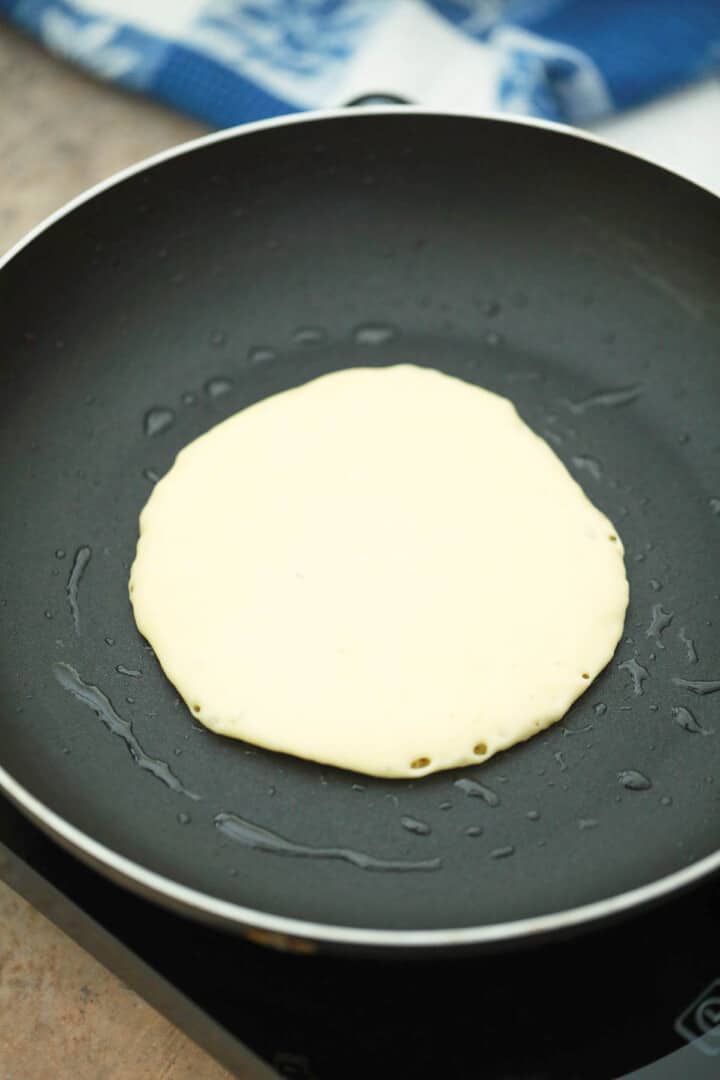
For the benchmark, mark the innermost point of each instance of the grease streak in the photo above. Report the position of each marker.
(255, 836)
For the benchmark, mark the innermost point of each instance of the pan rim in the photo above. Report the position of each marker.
(312, 116)
(284, 928)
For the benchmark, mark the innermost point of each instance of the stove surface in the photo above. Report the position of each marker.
(637, 998)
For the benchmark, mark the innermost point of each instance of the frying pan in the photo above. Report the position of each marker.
(577, 280)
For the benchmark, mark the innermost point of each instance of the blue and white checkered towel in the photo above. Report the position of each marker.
(229, 61)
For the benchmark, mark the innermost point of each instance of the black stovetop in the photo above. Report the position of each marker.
(603, 1004)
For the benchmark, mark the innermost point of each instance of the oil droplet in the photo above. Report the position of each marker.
(373, 334)
(600, 709)
(103, 708)
(130, 700)
(183, 818)
(688, 722)
(637, 673)
(218, 338)
(690, 650)
(659, 622)
(478, 791)
(157, 420)
(654, 708)
(82, 558)
(110, 641)
(558, 755)
(474, 830)
(420, 828)
(260, 354)
(48, 614)
(59, 554)
(702, 686)
(151, 475)
(178, 751)
(133, 673)
(655, 585)
(634, 780)
(255, 836)
(218, 387)
(359, 787)
(446, 806)
(623, 395)
(587, 823)
(502, 852)
(189, 398)
(715, 506)
(588, 464)
(533, 815)
(666, 800)
(492, 339)
(308, 336)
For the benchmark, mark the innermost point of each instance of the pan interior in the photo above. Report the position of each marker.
(580, 283)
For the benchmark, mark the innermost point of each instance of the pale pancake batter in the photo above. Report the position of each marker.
(384, 570)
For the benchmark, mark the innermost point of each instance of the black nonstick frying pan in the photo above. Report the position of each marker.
(577, 280)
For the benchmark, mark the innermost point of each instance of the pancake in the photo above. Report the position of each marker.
(384, 570)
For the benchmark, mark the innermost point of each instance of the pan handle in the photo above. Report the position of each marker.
(377, 99)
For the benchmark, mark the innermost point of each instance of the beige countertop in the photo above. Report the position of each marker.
(62, 1015)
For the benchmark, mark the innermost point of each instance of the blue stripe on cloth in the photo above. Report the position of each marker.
(170, 72)
(212, 92)
(639, 48)
(644, 47)
(477, 19)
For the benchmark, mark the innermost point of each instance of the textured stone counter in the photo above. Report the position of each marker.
(61, 132)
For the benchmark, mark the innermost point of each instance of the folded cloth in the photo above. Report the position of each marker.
(230, 61)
